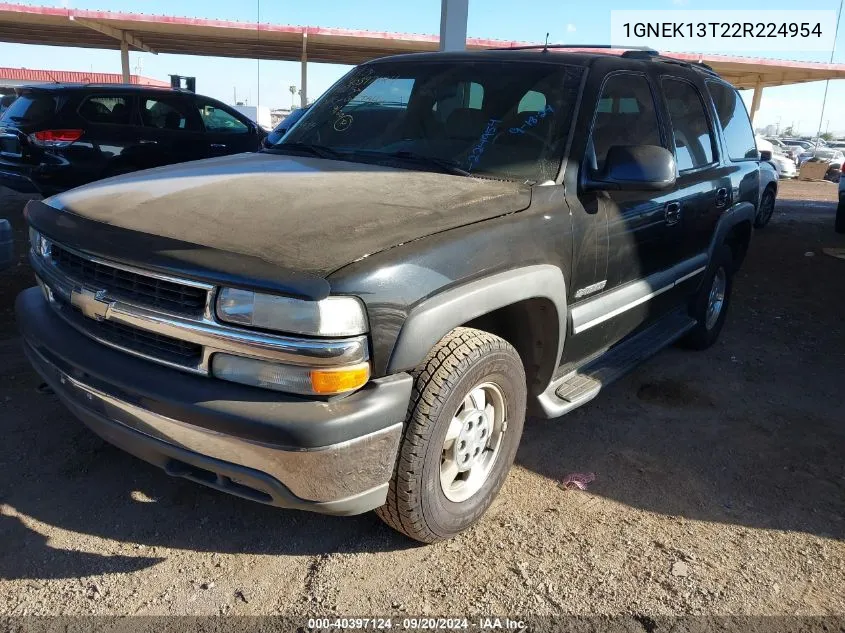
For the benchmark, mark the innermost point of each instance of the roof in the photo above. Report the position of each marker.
(25, 76)
(26, 24)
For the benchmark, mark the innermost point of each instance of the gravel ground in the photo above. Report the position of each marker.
(720, 488)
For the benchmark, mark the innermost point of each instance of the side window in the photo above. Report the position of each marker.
(532, 101)
(105, 109)
(167, 114)
(463, 95)
(739, 137)
(691, 132)
(625, 116)
(217, 120)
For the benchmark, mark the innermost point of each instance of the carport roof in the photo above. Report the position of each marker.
(25, 24)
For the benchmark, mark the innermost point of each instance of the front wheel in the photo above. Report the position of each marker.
(463, 428)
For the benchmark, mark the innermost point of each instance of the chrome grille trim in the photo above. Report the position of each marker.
(202, 329)
(152, 290)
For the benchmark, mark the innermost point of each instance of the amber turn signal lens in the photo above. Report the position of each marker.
(341, 380)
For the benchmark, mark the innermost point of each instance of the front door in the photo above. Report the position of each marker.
(617, 292)
(171, 131)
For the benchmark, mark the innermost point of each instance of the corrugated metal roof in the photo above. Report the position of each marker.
(35, 75)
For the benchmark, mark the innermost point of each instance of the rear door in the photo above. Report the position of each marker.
(226, 132)
(171, 130)
(703, 189)
(110, 134)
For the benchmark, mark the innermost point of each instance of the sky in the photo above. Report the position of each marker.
(567, 21)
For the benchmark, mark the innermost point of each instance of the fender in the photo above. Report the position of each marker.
(739, 212)
(433, 318)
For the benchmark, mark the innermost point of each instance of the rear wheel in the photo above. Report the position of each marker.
(767, 208)
(710, 307)
(463, 428)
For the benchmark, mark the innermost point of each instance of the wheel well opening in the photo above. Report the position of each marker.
(738, 240)
(531, 326)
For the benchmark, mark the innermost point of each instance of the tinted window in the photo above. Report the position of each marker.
(461, 94)
(30, 108)
(690, 130)
(739, 137)
(168, 114)
(625, 116)
(215, 119)
(105, 109)
(412, 111)
(533, 101)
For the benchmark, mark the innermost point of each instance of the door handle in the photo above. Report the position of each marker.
(219, 146)
(722, 197)
(672, 213)
(146, 141)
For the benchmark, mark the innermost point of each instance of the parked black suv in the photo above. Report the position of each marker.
(58, 136)
(360, 317)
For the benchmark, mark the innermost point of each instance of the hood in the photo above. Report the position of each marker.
(302, 214)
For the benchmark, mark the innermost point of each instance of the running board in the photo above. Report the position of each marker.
(582, 385)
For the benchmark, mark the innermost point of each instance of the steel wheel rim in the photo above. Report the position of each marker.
(716, 299)
(473, 442)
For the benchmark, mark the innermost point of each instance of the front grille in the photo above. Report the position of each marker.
(123, 284)
(160, 347)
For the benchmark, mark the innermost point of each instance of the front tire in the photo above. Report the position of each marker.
(464, 425)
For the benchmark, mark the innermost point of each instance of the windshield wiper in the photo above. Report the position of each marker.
(320, 151)
(443, 164)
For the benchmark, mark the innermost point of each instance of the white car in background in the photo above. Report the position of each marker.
(784, 166)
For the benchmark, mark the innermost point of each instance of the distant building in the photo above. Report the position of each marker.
(11, 78)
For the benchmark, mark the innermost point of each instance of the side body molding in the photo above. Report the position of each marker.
(433, 318)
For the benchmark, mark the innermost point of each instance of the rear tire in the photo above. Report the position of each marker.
(710, 306)
(464, 424)
(840, 218)
(767, 208)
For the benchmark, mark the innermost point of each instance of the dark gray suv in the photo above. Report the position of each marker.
(360, 317)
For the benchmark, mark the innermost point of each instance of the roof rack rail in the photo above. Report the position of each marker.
(576, 46)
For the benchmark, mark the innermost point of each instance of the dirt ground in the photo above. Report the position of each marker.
(720, 487)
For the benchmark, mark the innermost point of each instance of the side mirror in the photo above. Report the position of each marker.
(765, 155)
(636, 167)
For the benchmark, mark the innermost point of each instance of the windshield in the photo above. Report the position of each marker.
(499, 119)
(29, 108)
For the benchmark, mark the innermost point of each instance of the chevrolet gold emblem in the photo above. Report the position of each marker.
(91, 303)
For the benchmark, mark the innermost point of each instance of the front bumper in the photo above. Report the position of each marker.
(334, 457)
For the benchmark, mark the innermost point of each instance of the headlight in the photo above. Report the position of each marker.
(333, 316)
(324, 381)
(40, 244)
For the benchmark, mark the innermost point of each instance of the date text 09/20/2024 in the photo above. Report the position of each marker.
(417, 624)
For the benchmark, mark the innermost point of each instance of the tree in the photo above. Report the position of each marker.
(789, 131)
(827, 136)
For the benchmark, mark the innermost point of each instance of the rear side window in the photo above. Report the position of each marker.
(690, 130)
(30, 108)
(739, 137)
(625, 116)
(105, 109)
(217, 120)
(168, 114)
